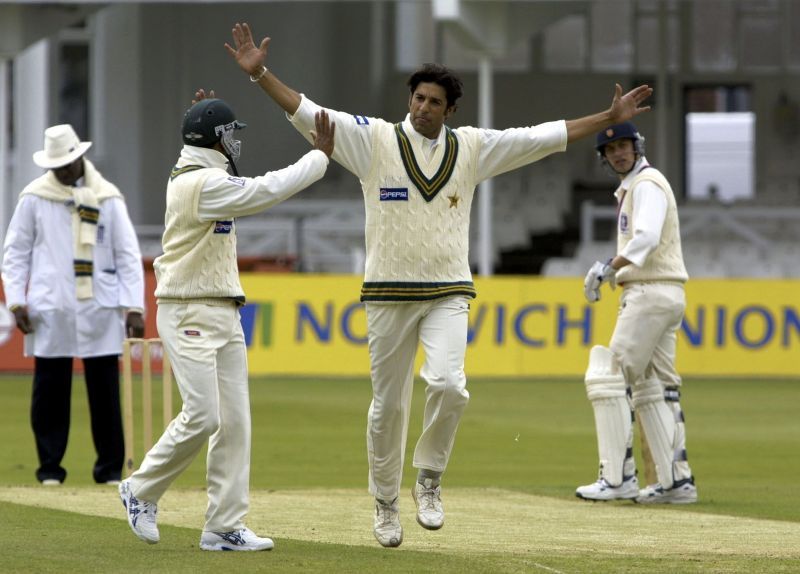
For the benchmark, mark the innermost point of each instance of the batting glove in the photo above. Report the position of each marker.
(598, 274)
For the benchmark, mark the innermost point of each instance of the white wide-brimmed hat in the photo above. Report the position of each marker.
(61, 147)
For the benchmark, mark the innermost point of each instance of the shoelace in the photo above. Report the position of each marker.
(385, 511)
(141, 510)
(428, 498)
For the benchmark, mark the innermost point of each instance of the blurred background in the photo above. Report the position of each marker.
(724, 126)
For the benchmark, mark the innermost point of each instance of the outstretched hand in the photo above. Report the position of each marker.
(324, 132)
(249, 57)
(201, 95)
(624, 107)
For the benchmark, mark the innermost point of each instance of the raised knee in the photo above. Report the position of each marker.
(387, 411)
(452, 388)
(210, 425)
(205, 424)
(457, 390)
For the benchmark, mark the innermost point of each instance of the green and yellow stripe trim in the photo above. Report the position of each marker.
(83, 267)
(407, 291)
(176, 171)
(428, 187)
(88, 214)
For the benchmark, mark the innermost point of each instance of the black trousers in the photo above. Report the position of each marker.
(50, 415)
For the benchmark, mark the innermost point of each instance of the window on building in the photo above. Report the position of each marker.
(72, 65)
(720, 143)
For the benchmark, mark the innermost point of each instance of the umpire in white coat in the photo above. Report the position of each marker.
(73, 278)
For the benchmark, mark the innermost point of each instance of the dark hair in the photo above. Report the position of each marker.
(441, 75)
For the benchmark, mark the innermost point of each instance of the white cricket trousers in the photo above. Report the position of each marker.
(645, 335)
(206, 346)
(644, 341)
(394, 332)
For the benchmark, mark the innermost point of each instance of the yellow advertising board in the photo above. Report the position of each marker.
(523, 326)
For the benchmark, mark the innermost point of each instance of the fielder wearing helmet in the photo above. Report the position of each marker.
(210, 122)
(199, 293)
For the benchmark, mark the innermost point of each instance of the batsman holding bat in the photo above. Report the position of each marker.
(419, 177)
(640, 360)
(199, 295)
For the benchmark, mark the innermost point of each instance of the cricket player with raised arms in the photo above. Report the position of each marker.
(199, 295)
(418, 178)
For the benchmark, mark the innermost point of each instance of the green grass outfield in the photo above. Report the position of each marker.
(522, 449)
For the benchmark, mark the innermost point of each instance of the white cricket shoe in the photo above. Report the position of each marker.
(430, 513)
(242, 540)
(387, 528)
(141, 514)
(601, 490)
(682, 492)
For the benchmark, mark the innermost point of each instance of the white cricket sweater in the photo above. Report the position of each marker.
(199, 259)
(665, 262)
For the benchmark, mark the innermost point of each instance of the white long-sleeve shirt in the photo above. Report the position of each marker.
(227, 196)
(649, 214)
(203, 200)
(500, 151)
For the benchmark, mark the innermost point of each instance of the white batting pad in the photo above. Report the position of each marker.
(658, 422)
(605, 387)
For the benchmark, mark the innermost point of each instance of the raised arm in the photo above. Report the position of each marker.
(623, 108)
(251, 59)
